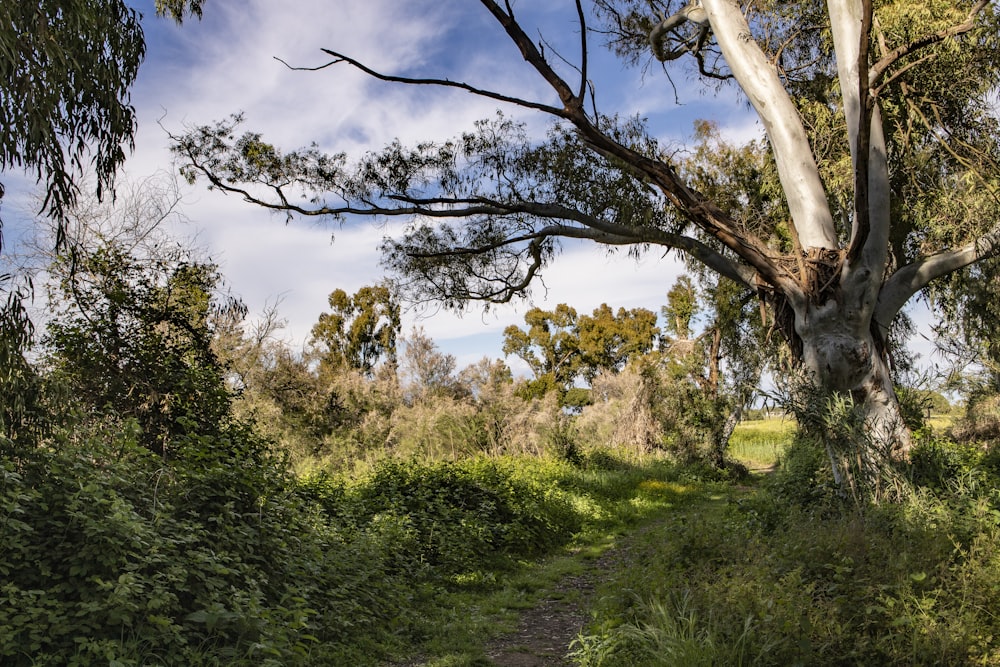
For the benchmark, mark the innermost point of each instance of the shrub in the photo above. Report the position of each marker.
(108, 554)
(465, 516)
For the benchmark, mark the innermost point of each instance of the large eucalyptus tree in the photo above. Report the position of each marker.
(878, 175)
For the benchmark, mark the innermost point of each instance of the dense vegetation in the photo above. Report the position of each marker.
(176, 490)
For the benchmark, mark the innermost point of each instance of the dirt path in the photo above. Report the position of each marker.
(545, 632)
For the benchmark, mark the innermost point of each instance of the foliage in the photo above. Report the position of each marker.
(111, 555)
(359, 331)
(834, 426)
(425, 370)
(133, 342)
(981, 421)
(176, 9)
(466, 515)
(20, 384)
(65, 71)
(749, 578)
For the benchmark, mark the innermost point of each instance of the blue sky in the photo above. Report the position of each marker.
(203, 71)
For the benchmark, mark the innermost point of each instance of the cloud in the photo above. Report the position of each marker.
(204, 71)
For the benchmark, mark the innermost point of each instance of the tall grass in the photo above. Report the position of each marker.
(768, 577)
(759, 443)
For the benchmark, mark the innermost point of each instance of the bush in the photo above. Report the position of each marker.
(465, 516)
(110, 555)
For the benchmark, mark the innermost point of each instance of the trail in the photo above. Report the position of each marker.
(546, 632)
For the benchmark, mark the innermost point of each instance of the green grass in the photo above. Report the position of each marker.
(613, 500)
(759, 443)
(750, 576)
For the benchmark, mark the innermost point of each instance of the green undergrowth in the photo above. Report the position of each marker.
(611, 501)
(768, 575)
(112, 555)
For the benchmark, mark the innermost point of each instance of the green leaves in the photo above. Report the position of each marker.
(132, 341)
(65, 71)
(360, 330)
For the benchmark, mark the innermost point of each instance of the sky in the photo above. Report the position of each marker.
(203, 71)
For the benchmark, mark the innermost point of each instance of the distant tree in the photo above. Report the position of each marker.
(682, 305)
(426, 371)
(550, 347)
(485, 378)
(608, 339)
(360, 330)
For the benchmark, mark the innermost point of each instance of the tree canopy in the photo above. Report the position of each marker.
(66, 68)
(360, 330)
(65, 73)
(877, 176)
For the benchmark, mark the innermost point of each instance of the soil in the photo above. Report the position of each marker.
(545, 632)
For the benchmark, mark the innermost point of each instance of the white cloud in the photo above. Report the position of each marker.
(204, 71)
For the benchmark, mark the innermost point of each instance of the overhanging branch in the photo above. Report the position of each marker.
(910, 279)
(416, 81)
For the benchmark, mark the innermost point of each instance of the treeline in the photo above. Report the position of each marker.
(362, 389)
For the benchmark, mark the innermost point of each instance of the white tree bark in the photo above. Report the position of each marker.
(758, 78)
(869, 242)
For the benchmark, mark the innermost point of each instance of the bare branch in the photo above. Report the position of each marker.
(582, 18)
(912, 278)
(446, 83)
(535, 59)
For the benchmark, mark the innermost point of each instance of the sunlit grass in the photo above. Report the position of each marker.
(759, 443)
(941, 423)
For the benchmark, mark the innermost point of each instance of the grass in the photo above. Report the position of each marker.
(479, 607)
(759, 443)
(749, 575)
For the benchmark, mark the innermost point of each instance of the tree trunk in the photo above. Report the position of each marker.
(842, 355)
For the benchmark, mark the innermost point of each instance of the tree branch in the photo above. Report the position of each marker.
(706, 255)
(862, 140)
(910, 279)
(582, 18)
(531, 54)
(446, 83)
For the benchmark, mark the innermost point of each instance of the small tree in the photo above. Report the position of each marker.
(425, 370)
(134, 342)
